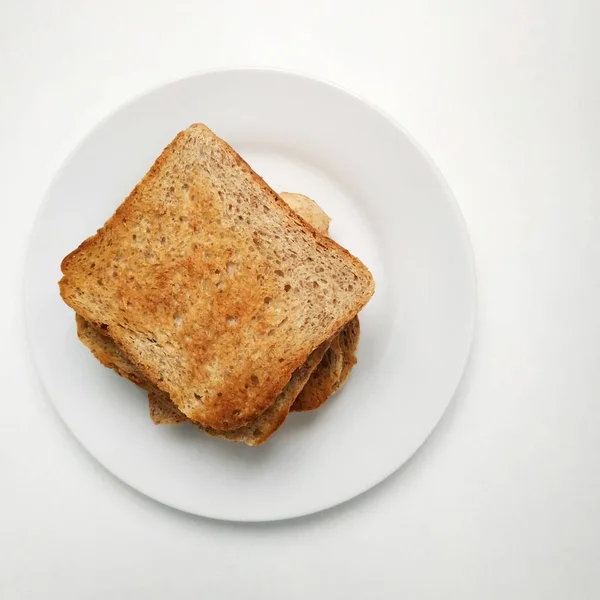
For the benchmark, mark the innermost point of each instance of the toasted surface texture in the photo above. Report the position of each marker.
(164, 412)
(211, 284)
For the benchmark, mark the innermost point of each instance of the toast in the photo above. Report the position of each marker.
(162, 410)
(327, 377)
(211, 285)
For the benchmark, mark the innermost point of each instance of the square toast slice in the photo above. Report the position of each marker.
(162, 410)
(211, 285)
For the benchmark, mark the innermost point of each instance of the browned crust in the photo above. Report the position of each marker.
(349, 337)
(223, 413)
(321, 383)
(263, 427)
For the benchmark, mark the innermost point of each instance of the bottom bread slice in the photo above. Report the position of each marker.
(348, 340)
(332, 372)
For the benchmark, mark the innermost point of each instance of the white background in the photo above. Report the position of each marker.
(504, 499)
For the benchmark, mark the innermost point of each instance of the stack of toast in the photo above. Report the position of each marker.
(228, 303)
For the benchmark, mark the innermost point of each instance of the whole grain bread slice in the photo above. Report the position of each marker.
(162, 410)
(325, 379)
(210, 283)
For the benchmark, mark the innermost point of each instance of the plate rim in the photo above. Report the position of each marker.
(448, 194)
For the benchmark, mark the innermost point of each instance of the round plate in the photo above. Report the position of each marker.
(389, 206)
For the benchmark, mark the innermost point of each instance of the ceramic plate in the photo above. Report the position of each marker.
(389, 206)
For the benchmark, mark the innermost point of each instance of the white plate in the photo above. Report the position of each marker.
(389, 206)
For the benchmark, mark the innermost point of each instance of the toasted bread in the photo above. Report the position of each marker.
(260, 429)
(162, 409)
(325, 379)
(210, 283)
